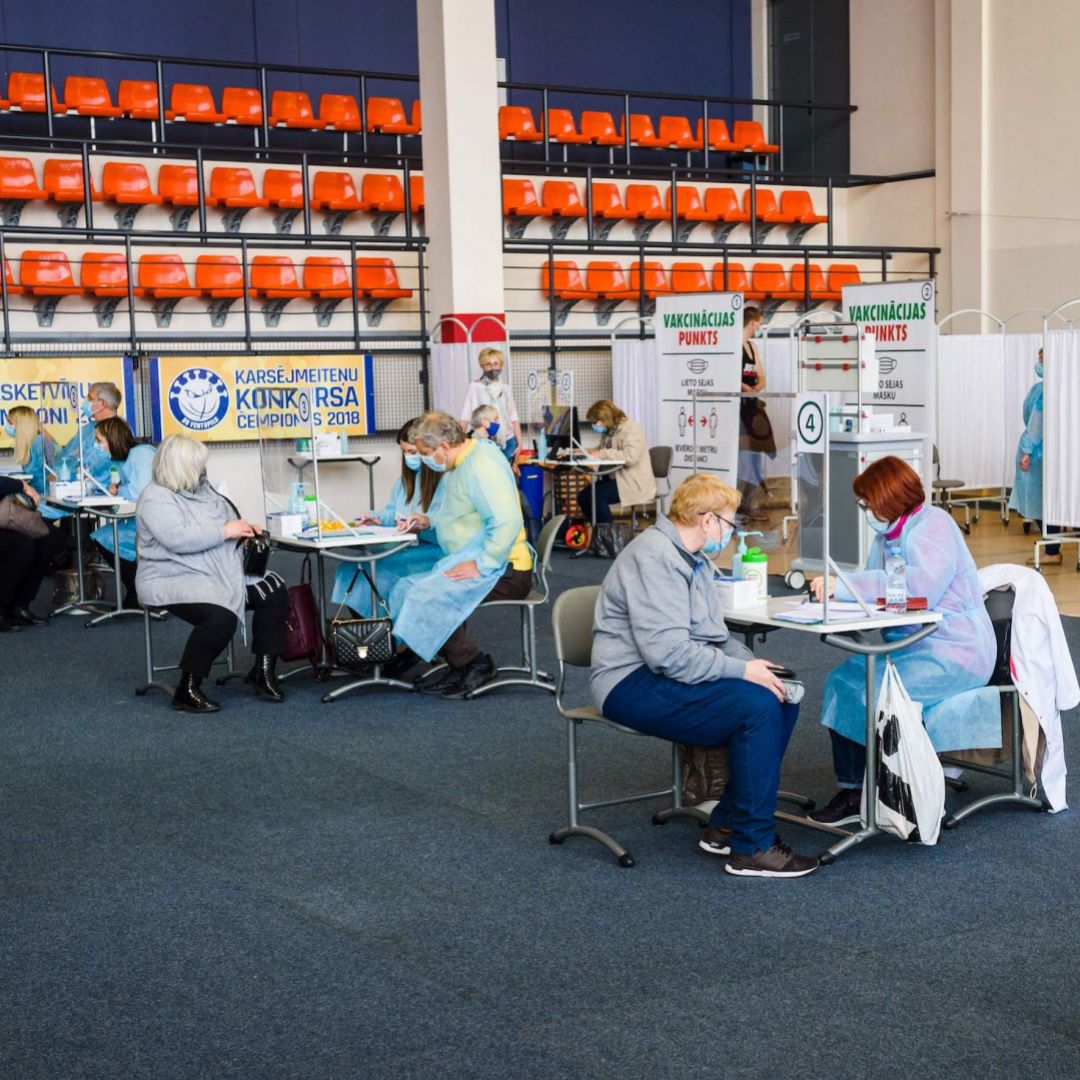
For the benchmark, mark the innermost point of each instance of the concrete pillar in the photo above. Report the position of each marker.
(462, 185)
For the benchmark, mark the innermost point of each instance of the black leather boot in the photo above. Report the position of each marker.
(189, 698)
(264, 678)
(21, 613)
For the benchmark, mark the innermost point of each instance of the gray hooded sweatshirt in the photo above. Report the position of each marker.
(184, 557)
(658, 607)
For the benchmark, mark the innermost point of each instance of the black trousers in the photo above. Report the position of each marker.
(606, 493)
(24, 564)
(127, 575)
(460, 650)
(214, 626)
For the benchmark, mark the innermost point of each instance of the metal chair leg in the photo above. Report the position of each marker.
(537, 678)
(151, 683)
(677, 810)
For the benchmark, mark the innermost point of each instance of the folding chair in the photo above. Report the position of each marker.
(156, 614)
(572, 620)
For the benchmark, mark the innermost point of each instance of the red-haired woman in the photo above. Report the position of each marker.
(959, 656)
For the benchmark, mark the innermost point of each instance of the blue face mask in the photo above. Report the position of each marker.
(493, 429)
(714, 547)
(9, 430)
(599, 429)
(1039, 368)
(87, 410)
(412, 461)
(431, 463)
(876, 524)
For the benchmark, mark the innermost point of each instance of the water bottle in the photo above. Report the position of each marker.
(296, 498)
(114, 477)
(895, 584)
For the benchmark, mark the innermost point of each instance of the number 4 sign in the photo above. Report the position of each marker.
(811, 412)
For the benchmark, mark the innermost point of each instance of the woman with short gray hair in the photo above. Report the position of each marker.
(189, 542)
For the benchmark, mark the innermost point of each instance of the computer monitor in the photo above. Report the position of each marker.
(561, 427)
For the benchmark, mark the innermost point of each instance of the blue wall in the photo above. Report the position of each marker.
(689, 46)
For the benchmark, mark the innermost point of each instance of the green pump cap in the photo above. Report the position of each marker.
(755, 554)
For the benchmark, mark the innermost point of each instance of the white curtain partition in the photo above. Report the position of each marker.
(634, 385)
(982, 380)
(451, 370)
(778, 356)
(1061, 447)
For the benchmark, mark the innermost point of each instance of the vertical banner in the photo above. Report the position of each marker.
(217, 398)
(35, 382)
(901, 315)
(698, 345)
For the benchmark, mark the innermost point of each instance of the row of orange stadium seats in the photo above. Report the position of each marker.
(561, 198)
(105, 273)
(608, 280)
(518, 124)
(129, 182)
(194, 102)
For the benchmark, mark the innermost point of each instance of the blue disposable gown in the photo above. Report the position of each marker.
(352, 588)
(97, 461)
(947, 671)
(478, 519)
(134, 476)
(1026, 498)
(43, 451)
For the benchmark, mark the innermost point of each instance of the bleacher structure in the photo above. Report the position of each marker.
(153, 215)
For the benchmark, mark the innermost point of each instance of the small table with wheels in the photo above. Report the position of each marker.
(584, 465)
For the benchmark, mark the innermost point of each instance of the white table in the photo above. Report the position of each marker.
(581, 463)
(349, 548)
(301, 461)
(112, 509)
(847, 636)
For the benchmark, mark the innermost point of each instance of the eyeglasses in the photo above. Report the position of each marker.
(719, 517)
(863, 505)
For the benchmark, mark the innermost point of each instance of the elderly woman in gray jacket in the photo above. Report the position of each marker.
(190, 561)
(663, 663)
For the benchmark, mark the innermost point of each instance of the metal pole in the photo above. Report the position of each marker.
(870, 776)
(673, 195)
(826, 512)
(363, 115)
(160, 67)
(130, 292)
(265, 109)
(46, 67)
(705, 129)
(641, 281)
(247, 298)
(551, 306)
(780, 134)
(306, 192)
(693, 422)
(4, 294)
(201, 183)
(87, 187)
(356, 298)
(407, 181)
(829, 211)
(753, 212)
(425, 365)
(547, 126)
(626, 124)
(589, 206)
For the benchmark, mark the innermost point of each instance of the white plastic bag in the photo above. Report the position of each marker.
(910, 783)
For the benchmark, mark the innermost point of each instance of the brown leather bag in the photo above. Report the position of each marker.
(704, 773)
(16, 516)
(303, 634)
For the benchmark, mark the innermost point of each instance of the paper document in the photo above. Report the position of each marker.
(804, 612)
(368, 532)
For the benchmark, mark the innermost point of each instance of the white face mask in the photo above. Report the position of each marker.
(877, 524)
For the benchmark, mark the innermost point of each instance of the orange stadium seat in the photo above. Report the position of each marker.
(242, 105)
(748, 136)
(416, 192)
(127, 183)
(737, 279)
(562, 199)
(105, 274)
(519, 199)
(292, 109)
(841, 274)
(335, 191)
(801, 207)
(26, 93)
(765, 206)
(771, 279)
(724, 203)
(327, 276)
(606, 279)
(138, 99)
(644, 201)
(340, 112)
(562, 129)
(641, 131)
(799, 280)
(387, 116)
(219, 276)
(599, 128)
(233, 187)
(568, 283)
(47, 273)
(274, 277)
(18, 181)
(62, 179)
(688, 204)
(378, 278)
(164, 276)
(383, 192)
(719, 139)
(283, 188)
(516, 123)
(675, 131)
(89, 96)
(9, 280)
(689, 277)
(654, 279)
(178, 185)
(194, 103)
(607, 202)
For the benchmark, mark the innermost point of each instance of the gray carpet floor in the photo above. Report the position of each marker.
(365, 890)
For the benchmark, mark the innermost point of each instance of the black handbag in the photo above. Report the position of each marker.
(359, 643)
(257, 548)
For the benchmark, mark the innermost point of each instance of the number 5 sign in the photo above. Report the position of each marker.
(811, 416)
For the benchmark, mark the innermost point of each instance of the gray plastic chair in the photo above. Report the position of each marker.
(529, 674)
(999, 605)
(572, 620)
(660, 459)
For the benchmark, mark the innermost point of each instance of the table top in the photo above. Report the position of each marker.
(298, 543)
(103, 505)
(328, 459)
(580, 463)
(765, 615)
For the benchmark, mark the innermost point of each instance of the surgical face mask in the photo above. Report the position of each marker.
(714, 547)
(87, 409)
(413, 461)
(877, 524)
(9, 430)
(493, 429)
(491, 375)
(1039, 368)
(432, 464)
(600, 429)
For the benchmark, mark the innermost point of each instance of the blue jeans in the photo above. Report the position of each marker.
(744, 717)
(849, 761)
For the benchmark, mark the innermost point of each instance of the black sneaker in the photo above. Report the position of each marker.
(476, 674)
(779, 862)
(439, 681)
(844, 806)
(715, 841)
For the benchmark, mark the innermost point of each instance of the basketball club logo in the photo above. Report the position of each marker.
(199, 399)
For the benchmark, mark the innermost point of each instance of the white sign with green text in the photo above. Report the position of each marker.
(698, 351)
